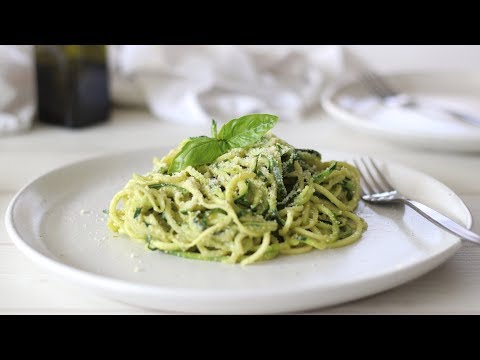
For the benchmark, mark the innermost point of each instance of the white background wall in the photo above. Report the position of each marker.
(419, 57)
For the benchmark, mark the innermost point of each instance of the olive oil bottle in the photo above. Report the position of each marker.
(72, 84)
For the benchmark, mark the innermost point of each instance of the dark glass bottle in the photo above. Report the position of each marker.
(72, 84)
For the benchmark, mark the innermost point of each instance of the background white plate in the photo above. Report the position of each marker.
(349, 102)
(57, 221)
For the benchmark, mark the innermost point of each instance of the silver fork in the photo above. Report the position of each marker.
(376, 189)
(378, 86)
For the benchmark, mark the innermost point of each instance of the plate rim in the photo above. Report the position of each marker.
(98, 281)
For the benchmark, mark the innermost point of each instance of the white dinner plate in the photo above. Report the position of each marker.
(57, 221)
(349, 102)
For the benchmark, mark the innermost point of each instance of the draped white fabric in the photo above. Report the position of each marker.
(192, 84)
(17, 88)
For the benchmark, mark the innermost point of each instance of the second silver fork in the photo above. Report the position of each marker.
(376, 189)
(378, 86)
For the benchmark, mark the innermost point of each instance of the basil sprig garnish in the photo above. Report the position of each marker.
(198, 151)
(241, 132)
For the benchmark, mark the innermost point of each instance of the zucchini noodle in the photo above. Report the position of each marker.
(251, 204)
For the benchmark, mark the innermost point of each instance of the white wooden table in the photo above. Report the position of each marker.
(453, 288)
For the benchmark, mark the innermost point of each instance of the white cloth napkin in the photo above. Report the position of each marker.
(191, 84)
(17, 88)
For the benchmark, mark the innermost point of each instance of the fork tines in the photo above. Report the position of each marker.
(372, 179)
(376, 84)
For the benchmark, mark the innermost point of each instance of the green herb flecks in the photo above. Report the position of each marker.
(325, 173)
(349, 187)
(162, 185)
(137, 212)
(310, 151)
(277, 174)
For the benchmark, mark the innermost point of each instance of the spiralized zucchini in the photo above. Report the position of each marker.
(251, 204)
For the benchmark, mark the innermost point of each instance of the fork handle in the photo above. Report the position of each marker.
(472, 120)
(443, 221)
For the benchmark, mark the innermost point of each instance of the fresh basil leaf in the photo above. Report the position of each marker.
(246, 130)
(214, 129)
(240, 132)
(198, 151)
